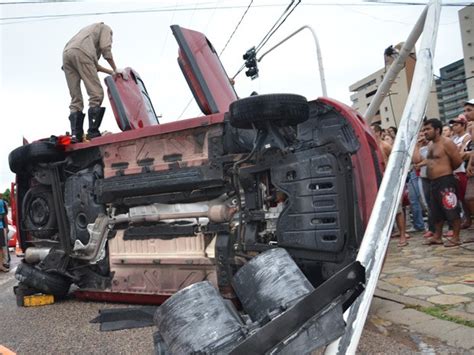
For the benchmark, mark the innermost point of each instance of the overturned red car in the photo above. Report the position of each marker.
(138, 215)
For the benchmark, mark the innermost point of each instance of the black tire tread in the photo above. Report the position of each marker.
(279, 109)
(37, 152)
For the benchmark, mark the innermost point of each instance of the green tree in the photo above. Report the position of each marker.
(6, 196)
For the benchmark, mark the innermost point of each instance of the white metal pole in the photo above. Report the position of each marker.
(318, 55)
(376, 238)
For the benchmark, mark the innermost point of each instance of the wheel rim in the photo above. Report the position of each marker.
(39, 211)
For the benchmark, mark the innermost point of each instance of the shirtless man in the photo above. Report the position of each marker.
(400, 217)
(443, 157)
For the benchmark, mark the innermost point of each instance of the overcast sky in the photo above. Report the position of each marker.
(34, 98)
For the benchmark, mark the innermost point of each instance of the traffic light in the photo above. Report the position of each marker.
(250, 58)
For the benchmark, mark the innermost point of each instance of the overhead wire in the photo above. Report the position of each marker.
(274, 25)
(279, 25)
(287, 12)
(203, 8)
(236, 27)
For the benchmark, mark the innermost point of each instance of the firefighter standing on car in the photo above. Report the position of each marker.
(81, 62)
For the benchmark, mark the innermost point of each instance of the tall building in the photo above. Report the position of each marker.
(466, 24)
(392, 106)
(456, 80)
(452, 91)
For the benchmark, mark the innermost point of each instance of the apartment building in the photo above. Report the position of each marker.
(392, 106)
(466, 24)
(452, 90)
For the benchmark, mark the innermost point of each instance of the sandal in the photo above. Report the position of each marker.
(452, 243)
(448, 234)
(401, 245)
(428, 234)
(432, 241)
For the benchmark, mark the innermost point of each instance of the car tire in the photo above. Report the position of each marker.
(38, 152)
(279, 109)
(39, 213)
(47, 283)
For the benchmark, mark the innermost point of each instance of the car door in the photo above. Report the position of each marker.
(203, 71)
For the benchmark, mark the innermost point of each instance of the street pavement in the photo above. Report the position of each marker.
(419, 277)
(413, 276)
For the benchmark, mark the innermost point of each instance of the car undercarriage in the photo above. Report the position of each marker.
(139, 215)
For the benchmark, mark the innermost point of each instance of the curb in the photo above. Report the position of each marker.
(453, 334)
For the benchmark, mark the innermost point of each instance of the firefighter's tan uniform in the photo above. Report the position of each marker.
(80, 60)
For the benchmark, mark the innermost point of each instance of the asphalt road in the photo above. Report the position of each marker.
(65, 328)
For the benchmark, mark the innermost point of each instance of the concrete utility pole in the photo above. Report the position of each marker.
(377, 235)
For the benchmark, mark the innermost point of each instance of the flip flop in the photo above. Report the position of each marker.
(431, 241)
(451, 243)
(397, 235)
(401, 245)
(428, 234)
(448, 234)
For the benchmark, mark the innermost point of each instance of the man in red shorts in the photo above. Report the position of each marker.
(443, 158)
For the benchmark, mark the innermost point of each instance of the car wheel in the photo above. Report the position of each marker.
(45, 282)
(37, 152)
(279, 109)
(39, 213)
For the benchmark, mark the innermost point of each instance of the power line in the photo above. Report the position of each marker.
(236, 27)
(413, 3)
(274, 25)
(204, 8)
(287, 12)
(167, 9)
(33, 2)
(364, 3)
(279, 25)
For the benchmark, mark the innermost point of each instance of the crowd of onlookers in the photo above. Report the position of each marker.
(440, 184)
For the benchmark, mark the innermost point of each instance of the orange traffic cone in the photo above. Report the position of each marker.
(18, 250)
(6, 351)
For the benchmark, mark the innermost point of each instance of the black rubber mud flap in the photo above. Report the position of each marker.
(36, 152)
(49, 283)
(279, 109)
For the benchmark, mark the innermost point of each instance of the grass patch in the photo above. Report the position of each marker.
(440, 312)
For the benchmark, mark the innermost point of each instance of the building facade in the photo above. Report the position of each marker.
(392, 106)
(455, 84)
(452, 90)
(466, 24)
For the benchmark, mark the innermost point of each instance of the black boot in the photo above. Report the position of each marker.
(95, 119)
(77, 133)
